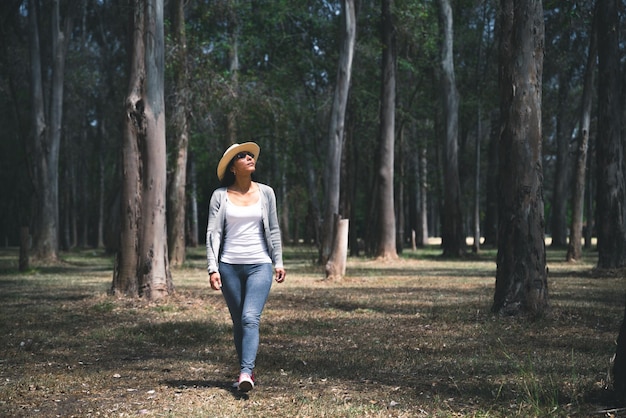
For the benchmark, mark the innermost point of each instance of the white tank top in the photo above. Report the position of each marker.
(244, 240)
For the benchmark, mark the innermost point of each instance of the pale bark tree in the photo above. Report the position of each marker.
(386, 247)
(521, 276)
(47, 113)
(336, 131)
(177, 201)
(423, 196)
(490, 225)
(610, 198)
(192, 218)
(574, 248)
(452, 236)
(479, 134)
(142, 265)
(563, 134)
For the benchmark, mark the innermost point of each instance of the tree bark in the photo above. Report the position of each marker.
(490, 224)
(479, 134)
(336, 265)
(47, 132)
(192, 219)
(610, 199)
(452, 237)
(563, 169)
(521, 277)
(142, 267)
(386, 247)
(336, 130)
(423, 196)
(180, 140)
(574, 248)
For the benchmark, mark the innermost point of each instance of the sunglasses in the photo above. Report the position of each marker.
(243, 155)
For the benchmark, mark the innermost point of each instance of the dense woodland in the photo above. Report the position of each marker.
(423, 133)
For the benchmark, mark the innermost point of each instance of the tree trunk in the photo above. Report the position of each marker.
(490, 224)
(452, 237)
(479, 134)
(521, 277)
(193, 233)
(47, 133)
(336, 265)
(423, 200)
(610, 202)
(574, 248)
(562, 174)
(386, 247)
(399, 207)
(336, 130)
(100, 222)
(180, 139)
(142, 267)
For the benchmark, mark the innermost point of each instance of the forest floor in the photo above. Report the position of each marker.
(411, 338)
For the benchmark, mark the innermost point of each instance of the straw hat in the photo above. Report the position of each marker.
(233, 150)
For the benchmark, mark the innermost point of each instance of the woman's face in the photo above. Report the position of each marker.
(243, 164)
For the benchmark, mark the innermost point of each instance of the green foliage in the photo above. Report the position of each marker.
(279, 95)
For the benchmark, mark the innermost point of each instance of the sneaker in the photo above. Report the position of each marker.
(246, 382)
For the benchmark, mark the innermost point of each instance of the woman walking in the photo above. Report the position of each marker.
(243, 243)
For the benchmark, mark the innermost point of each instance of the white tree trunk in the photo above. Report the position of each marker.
(336, 130)
(336, 265)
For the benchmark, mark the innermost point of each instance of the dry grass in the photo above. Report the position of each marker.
(411, 338)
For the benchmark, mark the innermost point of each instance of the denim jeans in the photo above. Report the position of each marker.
(245, 288)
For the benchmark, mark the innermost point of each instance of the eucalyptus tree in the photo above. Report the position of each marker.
(386, 239)
(521, 276)
(611, 192)
(475, 67)
(335, 239)
(567, 35)
(176, 195)
(47, 114)
(16, 122)
(574, 247)
(452, 236)
(142, 264)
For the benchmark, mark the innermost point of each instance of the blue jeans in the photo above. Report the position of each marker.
(245, 288)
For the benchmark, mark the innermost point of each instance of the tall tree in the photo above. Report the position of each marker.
(610, 198)
(177, 202)
(336, 131)
(574, 247)
(142, 265)
(452, 236)
(386, 248)
(47, 115)
(521, 276)
(563, 134)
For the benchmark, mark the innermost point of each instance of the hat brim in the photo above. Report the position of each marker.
(233, 150)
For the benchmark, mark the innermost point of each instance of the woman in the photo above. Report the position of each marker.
(243, 242)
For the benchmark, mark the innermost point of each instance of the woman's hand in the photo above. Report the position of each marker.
(216, 280)
(280, 275)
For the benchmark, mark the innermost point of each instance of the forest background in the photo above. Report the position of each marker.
(265, 71)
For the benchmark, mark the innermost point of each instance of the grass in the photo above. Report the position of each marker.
(413, 338)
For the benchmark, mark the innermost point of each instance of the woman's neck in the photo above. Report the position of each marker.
(242, 185)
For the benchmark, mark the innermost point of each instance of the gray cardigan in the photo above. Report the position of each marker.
(215, 227)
